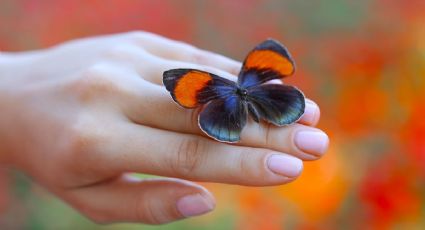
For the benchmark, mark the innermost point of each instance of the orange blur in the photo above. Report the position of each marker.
(267, 59)
(188, 86)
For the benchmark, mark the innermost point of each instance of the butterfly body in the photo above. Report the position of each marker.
(228, 103)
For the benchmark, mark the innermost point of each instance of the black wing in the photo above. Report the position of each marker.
(278, 104)
(223, 119)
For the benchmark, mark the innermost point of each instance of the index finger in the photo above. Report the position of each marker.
(180, 51)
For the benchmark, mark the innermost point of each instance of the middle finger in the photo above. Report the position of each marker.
(160, 111)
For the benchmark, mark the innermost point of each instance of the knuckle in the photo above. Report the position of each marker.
(94, 82)
(143, 37)
(146, 213)
(243, 165)
(137, 34)
(193, 116)
(251, 167)
(196, 56)
(83, 140)
(189, 157)
(122, 52)
(268, 135)
(95, 70)
(95, 77)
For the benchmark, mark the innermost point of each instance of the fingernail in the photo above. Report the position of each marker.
(194, 205)
(312, 142)
(285, 165)
(310, 111)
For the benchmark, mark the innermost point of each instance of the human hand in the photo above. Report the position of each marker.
(79, 116)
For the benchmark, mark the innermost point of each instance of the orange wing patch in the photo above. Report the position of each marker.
(188, 87)
(268, 59)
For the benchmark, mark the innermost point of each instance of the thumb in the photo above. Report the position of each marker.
(151, 201)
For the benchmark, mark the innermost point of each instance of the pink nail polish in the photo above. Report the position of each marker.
(310, 111)
(285, 165)
(312, 142)
(195, 204)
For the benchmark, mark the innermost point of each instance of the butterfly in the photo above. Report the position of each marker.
(228, 103)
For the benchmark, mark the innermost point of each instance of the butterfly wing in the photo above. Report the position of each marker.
(223, 119)
(267, 61)
(191, 88)
(224, 114)
(278, 104)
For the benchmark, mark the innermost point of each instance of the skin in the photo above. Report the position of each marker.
(78, 117)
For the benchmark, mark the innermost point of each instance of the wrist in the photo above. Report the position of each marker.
(12, 71)
(6, 63)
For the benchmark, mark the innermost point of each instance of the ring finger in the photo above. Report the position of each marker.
(165, 153)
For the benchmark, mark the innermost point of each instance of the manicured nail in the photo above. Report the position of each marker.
(195, 205)
(310, 111)
(285, 165)
(312, 142)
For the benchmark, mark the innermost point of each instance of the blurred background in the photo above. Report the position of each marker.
(362, 61)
